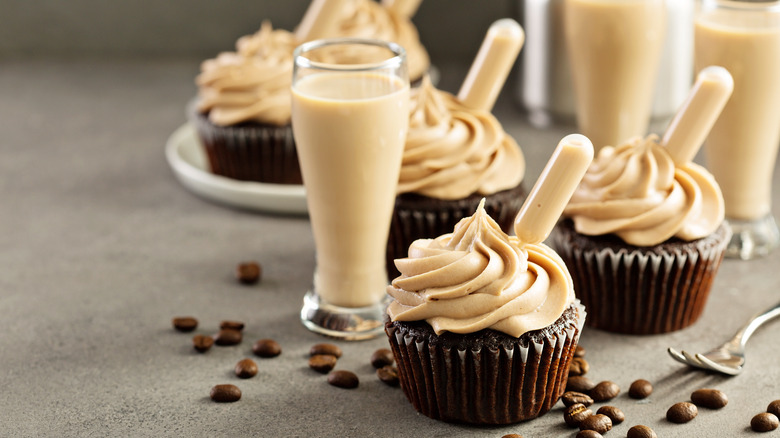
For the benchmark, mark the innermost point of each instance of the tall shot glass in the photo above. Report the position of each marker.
(741, 149)
(350, 116)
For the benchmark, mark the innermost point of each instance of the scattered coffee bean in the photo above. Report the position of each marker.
(640, 389)
(382, 357)
(228, 337)
(225, 393)
(709, 398)
(579, 384)
(589, 434)
(575, 414)
(774, 408)
(641, 431)
(343, 379)
(764, 422)
(202, 343)
(246, 368)
(614, 413)
(232, 325)
(599, 422)
(330, 349)
(682, 412)
(267, 348)
(185, 323)
(579, 367)
(512, 435)
(249, 272)
(388, 374)
(579, 351)
(573, 397)
(322, 363)
(604, 391)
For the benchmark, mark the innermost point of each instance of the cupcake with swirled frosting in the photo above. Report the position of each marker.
(242, 111)
(643, 239)
(482, 326)
(453, 158)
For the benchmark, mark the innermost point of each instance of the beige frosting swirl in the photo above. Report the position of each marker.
(251, 84)
(478, 277)
(369, 19)
(452, 151)
(636, 192)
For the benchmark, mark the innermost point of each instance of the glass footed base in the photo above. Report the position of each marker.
(347, 323)
(751, 239)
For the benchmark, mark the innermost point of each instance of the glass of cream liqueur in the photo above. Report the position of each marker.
(741, 149)
(350, 115)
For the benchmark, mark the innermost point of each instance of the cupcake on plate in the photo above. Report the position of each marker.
(242, 111)
(643, 238)
(483, 326)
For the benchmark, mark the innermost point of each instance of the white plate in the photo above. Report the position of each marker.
(188, 162)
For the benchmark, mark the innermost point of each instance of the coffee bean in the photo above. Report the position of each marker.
(599, 422)
(232, 325)
(572, 397)
(267, 348)
(575, 414)
(388, 374)
(578, 367)
(764, 422)
(641, 431)
(225, 393)
(512, 435)
(588, 434)
(604, 391)
(682, 412)
(322, 363)
(774, 408)
(185, 323)
(249, 272)
(228, 337)
(202, 343)
(709, 398)
(382, 357)
(640, 389)
(579, 351)
(615, 414)
(343, 379)
(579, 384)
(330, 349)
(246, 368)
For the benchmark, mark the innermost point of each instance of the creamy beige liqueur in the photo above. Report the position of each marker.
(350, 140)
(453, 151)
(614, 49)
(478, 277)
(636, 192)
(742, 146)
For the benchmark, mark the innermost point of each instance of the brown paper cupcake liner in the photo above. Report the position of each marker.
(640, 290)
(249, 151)
(421, 217)
(488, 377)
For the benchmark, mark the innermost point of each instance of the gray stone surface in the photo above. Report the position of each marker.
(100, 247)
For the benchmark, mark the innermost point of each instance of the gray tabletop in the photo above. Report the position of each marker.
(101, 246)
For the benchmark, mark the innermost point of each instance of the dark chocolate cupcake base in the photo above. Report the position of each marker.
(421, 217)
(249, 151)
(487, 377)
(640, 290)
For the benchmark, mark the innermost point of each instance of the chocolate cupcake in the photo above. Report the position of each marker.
(482, 327)
(643, 239)
(454, 157)
(242, 112)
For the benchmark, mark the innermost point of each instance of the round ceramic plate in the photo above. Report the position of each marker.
(188, 162)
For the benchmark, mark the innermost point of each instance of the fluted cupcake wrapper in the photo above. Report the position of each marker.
(481, 385)
(421, 217)
(249, 151)
(641, 290)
